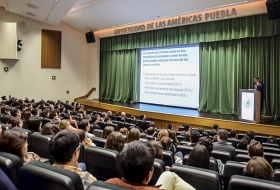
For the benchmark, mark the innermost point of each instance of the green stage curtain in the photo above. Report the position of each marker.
(227, 66)
(118, 76)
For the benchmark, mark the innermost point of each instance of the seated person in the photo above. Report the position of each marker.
(251, 134)
(172, 135)
(34, 124)
(255, 149)
(162, 133)
(115, 141)
(65, 149)
(136, 163)
(233, 134)
(124, 131)
(222, 144)
(195, 135)
(167, 145)
(151, 132)
(65, 124)
(84, 125)
(271, 139)
(15, 122)
(50, 129)
(84, 139)
(199, 157)
(107, 131)
(242, 143)
(258, 167)
(143, 135)
(169, 126)
(133, 135)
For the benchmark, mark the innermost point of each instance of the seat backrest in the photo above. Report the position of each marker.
(102, 185)
(214, 164)
(113, 125)
(241, 135)
(242, 158)
(275, 163)
(38, 175)
(270, 156)
(5, 127)
(168, 157)
(278, 141)
(223, 156)
(150, 137)
(45, 120)
(82, 153)
(237, 150)
(10, 164)
(181, 128)
(102, 163)
(100, 142)
(180, 138)
(265, 144)
(249, 183)
(261, 139)
(40, 145)
(184, 143)
(98, 132)
(277, 175)
(184, 149)
(197, 177)
(232, 168)
(5, 182)
(233, 142)
(271, 150)
(159, 168)
(101, 124)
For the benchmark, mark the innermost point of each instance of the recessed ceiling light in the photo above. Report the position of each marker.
(31, 14)
(32, 6)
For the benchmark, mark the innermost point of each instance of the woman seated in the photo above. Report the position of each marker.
(167, 145)
(84, 139)
(271, 139)
(107, 131)
(199, 157)
(15, 122)
(34, 124)
(115, 141)
(133, 135)
(124, 131)
(50, 129)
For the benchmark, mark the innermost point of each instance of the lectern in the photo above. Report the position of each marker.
(249, 105)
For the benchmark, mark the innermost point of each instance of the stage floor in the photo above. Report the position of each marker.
(180, 111)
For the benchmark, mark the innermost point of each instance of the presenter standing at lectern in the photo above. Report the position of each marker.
(259, 86)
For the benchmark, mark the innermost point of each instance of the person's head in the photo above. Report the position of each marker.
(95, 118)
(115, 141)
(222, 135)
(215, 138)
(258, 167)
(124, 131)
(64, 124)
(109, 113)
(166, 143)
(162, 133)
(143, 135)
(208, 143)
(271, 139)
(256, 79)
(35, 112)
(16, 113)
(107, 120)
(248, 139)
(213, 132)
(158, 147)
(215, 126)
(199, 157)
(34, 124)
(84, 125)
(15, 122)
(26, 115)
(169, 126)
(54, 114)
(242, 143)
(123, 114)
(172, 135)
(50, 129)
(142, 117)
(15, 142)
(251, 134)
(133, 135)
(107, 131)
(151, 131)
(255, 149)
(186, 126)
(137, 161)
(6, 110)
(64, 147)
(82, 134)
(195, 135)
(233, 133)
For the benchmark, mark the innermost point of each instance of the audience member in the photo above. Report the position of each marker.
(84, 125)
(95, 120)
(84, 139)
(187, 136)
(195, 135)
(50, 129)
(216, 127)
(186, 127)
(251, 134)
(142, 117)
(162, 133)
(199, 157)
(65, 124)
(143, 135)
(242, 144)
(65, 149)
(158, 148)
(222, 144)
(16, 113)
(133, 135)
(123, 131)
(213, 132)
(172, 135)
(54, 115)
(169, 126)
(107, 131)
(167, 145)
(115, 141)
(255, 149)
(15, 122)
(34, 124)
(271, 139)
(259, 168)
(136, 163)
(151, 131)
(233, 134)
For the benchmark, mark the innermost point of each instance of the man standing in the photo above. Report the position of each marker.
(259, 86)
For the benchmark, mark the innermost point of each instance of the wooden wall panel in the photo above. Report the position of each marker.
(51, 49)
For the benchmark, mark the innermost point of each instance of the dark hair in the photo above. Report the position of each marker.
(26, 115)
(137, 160)
(186, 126)
(233, 133)
(271, 139)
(258, 167)
(166, 143)
(195, 135)
(251, 134)
(14, 121)
(63, 145)
(12, 141)
(107, 131)
(14, 112)
(215, 126)
(150, 131)
(213, 132)
(133, 135)
(242, 143)
(199, 157)
(106, 119)
(33, 124)
(123, 131)
(53, 114)
(142, 116)
(256, 77)
(158, 147)
(50, 129)
(172, 135)
(248, 139)
(94, 118)
(223, 134)
(169, 126)
(34, 111)
(208, 143)
(4, 109)
(115, 141)
(215, 138)
(83, 124)
(255, 149)
(187, 136)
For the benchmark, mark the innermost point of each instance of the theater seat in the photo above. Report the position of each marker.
(277, 175)
(159, 168)
(150, 137)
(241, 151)
(184, 149)
(168, 157)
(223, 156)
(241, 135)
(100, 142)
(270, 156)
(102, 185)
(180, 138)
(265, 144)
(242, 158)
(199, 178)
(275, 163)
(233, 142)
(271, 150)
(232, 168)
(5, 182)
(261, 139)
(97, 132)
(38, 175)
(213, 163)
(248, 183)
(40, 145)
(10, 164)
(45, 120)
(102, 163)
(181, 128)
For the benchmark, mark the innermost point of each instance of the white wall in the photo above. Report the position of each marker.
(26, 78)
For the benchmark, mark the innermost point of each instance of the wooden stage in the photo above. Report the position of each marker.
(162, 115)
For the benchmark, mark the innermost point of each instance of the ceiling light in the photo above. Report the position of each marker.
(32, 6)
(31, 14)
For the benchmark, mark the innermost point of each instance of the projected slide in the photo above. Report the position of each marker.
(170, 76)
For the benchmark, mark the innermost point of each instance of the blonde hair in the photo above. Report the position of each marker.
(162, 133)
(63, 124)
